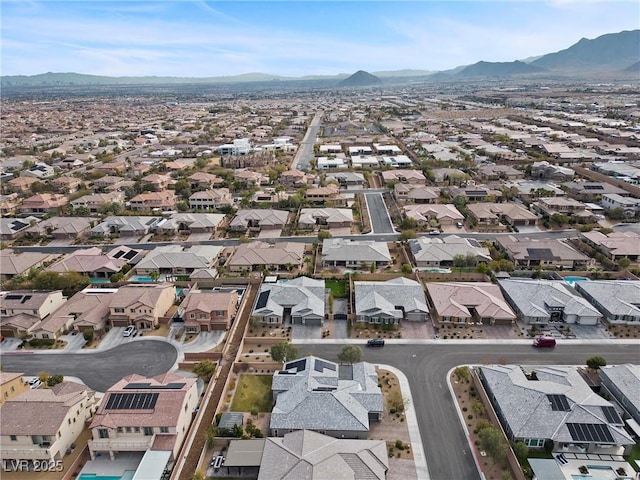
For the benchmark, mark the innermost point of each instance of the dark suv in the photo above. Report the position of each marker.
(375, 342)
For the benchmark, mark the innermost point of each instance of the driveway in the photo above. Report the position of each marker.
(98, 369)
(305, 332)
(380, 221)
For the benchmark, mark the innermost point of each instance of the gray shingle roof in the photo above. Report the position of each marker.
(384, 297)
(308, 393)
(305, 296)
(617, 298)
(341, 249)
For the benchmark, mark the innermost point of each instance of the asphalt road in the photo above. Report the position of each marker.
(446, 446)
(305, 150)
(380, 221)
(98, 370)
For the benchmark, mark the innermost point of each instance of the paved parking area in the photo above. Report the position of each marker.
(305, 332)
(199, 237)
(269, 233)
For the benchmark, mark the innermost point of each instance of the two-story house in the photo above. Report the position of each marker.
(140, 305)
(206, 311)
(138, 414)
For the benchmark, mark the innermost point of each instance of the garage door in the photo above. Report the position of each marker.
(313, 322)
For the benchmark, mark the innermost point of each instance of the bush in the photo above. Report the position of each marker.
(41, 342)
(54, 380)
(88, 335)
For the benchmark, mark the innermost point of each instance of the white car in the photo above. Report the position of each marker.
(35, 382)
(130, 330)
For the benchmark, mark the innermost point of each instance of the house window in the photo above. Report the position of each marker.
(136, 429)
(6, 394)
(133, 310)
(148, 431)
(192, 315)
(120, 430)
(13, 438)
(118, 310)
(103, 433)
(164, 429)
(45, 335)
(127, 429)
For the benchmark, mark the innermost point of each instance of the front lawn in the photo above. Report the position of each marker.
(253, 393)
(338, 288)
(633, 456)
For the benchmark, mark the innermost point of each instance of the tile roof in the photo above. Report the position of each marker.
(341, 249)
(428, 249)
(311, 388)
(385, 297)
(454, 299)
(261, 253)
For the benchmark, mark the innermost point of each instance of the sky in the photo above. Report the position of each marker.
(197, 38)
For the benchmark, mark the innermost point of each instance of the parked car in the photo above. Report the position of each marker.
(375, 342)
(434, 232)
(544, 342)
(130, 330)
(34, 383)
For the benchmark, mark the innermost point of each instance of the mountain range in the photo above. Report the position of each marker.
(614, 54)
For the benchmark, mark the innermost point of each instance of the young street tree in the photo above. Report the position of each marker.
(350, 354)
(594, 363)
(284, 352)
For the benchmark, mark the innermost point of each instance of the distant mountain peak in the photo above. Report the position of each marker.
(360, 79)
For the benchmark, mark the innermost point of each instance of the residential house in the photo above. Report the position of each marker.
(97, 202)
(347, 179)
(540, 404)
(430, 252)
(43, 203)
(208, 311)
(550, 206)
(126, 226)
(629, 205)
(87, 310)
(42, 424)
(21, 184)
(387, 149)
(140, 305)
(591, 191)
(415, 177)
(365, 161)
(256, 255)
(449, 176)
(11, 385)
(269, 196)
(493, 215)
(66, 185)
(158, 181)
(249, 178)
(496, 173)
(469, 303)
(475, 193)
(343, 252)
(360, 150)
(545, 302)
(428, 214)
(330, 149)
(164, 201)
(389, 302)
(297, 301)
(191, 223)
(617, 300)
(40, 171)
(331, 218)
(622, 382)
(530, 191)
(140, 414)
(211, 199)
(615, 245)
(19, 263)
(330, 193)
(175, 260)
(92, 262)
(11, 228)
(108, 182)
(69, 228)
(307, 454)
(259, 219)
(326, 163)
(411, 193)
(315, 394)
(204, 181)
(22, 311)
(543, 252)
(9, 204)
(550, 171)
(112, 168)
(240, 146)
(295, 178)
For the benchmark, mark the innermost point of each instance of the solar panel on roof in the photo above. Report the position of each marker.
(590, 432)
(299, 365)
(320, 365)
(559, 403)
(131, 401)
(118, 254)
(148, 386)
(611, 415)
(262, 299)
(130, 254)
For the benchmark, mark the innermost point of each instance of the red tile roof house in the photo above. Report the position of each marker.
(140, 414)
(141, 305)
(165, 201)
(204, 181)
(43, 203)
(206, 311)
